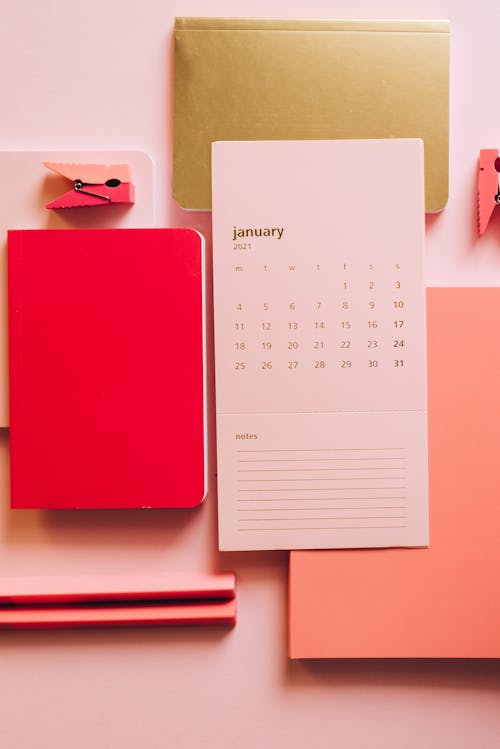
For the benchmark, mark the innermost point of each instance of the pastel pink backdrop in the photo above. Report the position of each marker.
(98, 75)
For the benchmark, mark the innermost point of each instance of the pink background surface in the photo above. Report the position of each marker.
(98, 75)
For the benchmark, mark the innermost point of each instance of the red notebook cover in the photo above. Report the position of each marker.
(107, 376)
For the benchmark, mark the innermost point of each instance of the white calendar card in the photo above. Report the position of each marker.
(320, 344)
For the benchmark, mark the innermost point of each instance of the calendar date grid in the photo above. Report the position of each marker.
(351, 323)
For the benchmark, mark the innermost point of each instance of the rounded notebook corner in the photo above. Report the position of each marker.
(433, 208)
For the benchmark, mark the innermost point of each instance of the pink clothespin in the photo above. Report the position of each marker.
(488, 186)
(93, 184)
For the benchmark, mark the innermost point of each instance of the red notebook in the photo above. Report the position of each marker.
(107, 375)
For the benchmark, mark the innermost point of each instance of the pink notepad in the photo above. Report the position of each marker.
(320, 344)
(444, 601)
(115, 601)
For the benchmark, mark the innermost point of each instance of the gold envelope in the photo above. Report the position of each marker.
(269, 79)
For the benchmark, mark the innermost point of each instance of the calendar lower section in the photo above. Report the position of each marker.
(322, 480)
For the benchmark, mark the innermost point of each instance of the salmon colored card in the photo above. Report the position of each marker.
(443, 601)
(30, 185)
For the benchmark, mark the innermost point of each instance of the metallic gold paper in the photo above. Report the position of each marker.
(269, 79)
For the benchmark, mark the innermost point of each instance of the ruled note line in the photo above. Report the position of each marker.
(322, 528)
(315, 499)
(308, 460)
(322, 450)
(294, 470)
(309, 479)
(328, 489)
(319, 509)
